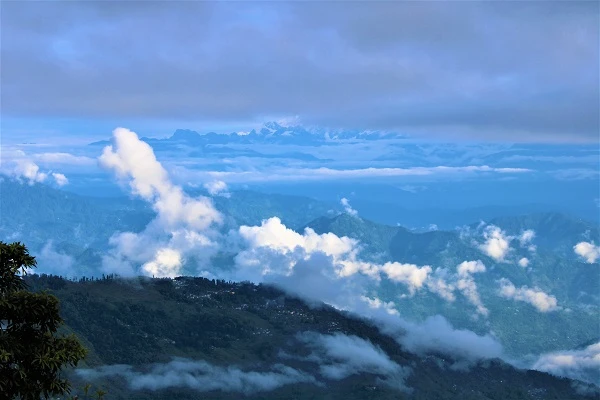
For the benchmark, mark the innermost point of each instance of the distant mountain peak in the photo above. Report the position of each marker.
(184, 134)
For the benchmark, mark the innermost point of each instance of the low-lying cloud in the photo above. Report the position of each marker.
(325, 174)
(340, 356)
(542, 301)
(201, 376)
(588, 251)
(348, 208)
(21, 167)
(316, 267)
(581, 364)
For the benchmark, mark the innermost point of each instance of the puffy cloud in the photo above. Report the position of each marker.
(466, 284)
(536, 297)
(317, 267)
(183, 225)
(582, 364)
(497, 244)
(341, 356)
(349, 210)
(130, 158)
(525, 239)
(274, 248)
(411, 275)
(589, 251)
(466, 268)
(200, 376)
(21, 167)
(60, 179)
(524, 262)
(167, 262)
(217, 188)
(30, 171)
(376, 303)
(438, 283)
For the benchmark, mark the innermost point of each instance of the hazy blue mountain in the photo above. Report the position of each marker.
(556, 271)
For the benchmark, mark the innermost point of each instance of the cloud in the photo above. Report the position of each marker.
(436, 334)
(316, 267)
(51, 261)
(525, 239)
(201, 376)
(466, 284)
(497, 243)
(323, 173)
(340, 356)
(536, 297)
(524, 262)
(217, 188)
(21, 167)
(589, 251)
(60, 179)
(582, 364)
(347, 208)
(415, 67)
(439, 284)
(411, 275)
(182, 225)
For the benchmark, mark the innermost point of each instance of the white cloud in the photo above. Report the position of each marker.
(466, 284)
(536, 297)
(316, 267)
(182, 225)
(200, 376)
(438, 283)
(497, 243)
(589, 251)
(411, 275)
(323, 173)
(217, 188)
(167, 262)
(20, 166)
(60, 179)
(582, 364)
(436, 334)
(524, 262)
(341, 356)
(525, 239)
(349, 210)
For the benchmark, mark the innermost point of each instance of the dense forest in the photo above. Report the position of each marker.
(143, 322)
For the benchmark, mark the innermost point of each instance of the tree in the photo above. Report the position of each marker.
(32, 354)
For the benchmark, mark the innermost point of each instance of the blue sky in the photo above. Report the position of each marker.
(485, 71)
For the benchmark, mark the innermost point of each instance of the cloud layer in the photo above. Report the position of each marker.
(201, 376)
(446, 69)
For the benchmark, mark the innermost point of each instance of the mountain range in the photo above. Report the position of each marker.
(192, 337)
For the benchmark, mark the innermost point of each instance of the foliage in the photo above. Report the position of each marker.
(143, 321)
(31, 354)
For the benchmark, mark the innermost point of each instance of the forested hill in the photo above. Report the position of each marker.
(192, 337)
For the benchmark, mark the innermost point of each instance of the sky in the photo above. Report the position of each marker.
(485, 71)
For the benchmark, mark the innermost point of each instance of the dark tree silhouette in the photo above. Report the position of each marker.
(32, 355)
